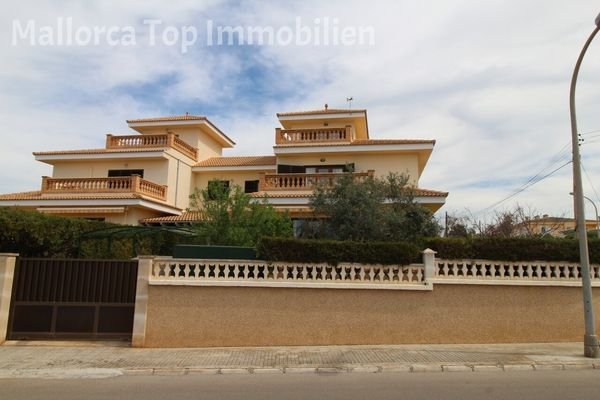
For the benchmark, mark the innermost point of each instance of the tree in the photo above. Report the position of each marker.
(517, 221)
(457, 227)
(369, 209)
(230, 217)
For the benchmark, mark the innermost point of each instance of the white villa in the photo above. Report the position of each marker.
(147, 177)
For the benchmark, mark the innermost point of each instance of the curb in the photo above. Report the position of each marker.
(370, 369)
(97, 373)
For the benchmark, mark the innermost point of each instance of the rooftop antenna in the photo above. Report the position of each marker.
(349, 101)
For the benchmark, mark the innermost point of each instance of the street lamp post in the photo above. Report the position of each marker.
(596, 210)
(591, 346)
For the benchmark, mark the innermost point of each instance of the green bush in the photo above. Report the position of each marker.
(511, 249)
(32, 234)
(449, 248)
(334, 252)
(502, 249)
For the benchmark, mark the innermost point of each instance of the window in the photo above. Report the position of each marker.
(251, 186)
(311, 169)
(125, 172)
(290, 169)
(330, 168)
(217, 189)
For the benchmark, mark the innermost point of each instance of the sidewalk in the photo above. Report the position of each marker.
(79, 360)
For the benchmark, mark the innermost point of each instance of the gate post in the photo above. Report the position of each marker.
(140, 315)
(7, 273)
(429, 264)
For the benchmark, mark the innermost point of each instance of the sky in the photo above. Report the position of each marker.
(489, 81)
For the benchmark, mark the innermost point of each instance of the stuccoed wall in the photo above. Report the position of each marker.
(187, 316)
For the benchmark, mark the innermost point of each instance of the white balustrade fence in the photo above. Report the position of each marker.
(511, 272)
(279, 274)
(169, 271)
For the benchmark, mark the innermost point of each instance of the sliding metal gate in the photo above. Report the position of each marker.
(72, 299)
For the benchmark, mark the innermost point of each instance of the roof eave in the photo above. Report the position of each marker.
(221, 137)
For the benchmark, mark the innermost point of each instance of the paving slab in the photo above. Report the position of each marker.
(365, 369)
(296, 370)
(260, 371)
(487, 368)
(548, 367)
(203, 371)
(169, 371)
(426, 368)
(230, 371)
(457, 368)
(75, 358)
(518, 367)
(578, 366)
(396, 368)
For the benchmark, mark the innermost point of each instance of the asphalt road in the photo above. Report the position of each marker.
(532, 385)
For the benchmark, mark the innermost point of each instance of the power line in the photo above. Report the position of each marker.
(531, 181)
(587, 133)
(558, 156)
(538, 177)
(593, 141)
(585, 140)
(590, 181)
(524, 187)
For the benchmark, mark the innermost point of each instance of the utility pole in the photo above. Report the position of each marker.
(446, 225)
(591, 346)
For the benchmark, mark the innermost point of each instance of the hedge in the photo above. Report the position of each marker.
(334, 252)
(504, 249)
(32, 234)
(512, 249)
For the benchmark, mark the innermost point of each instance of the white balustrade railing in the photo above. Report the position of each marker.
(150, 141)
(280, 274)
(169, 271)
(318, 135)
(122, 184)
(511, 271)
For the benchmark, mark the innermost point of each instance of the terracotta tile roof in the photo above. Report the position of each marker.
(362, 142)
(185, 117)
(95, 151)
(321, 111)
(391, 141)
(81, 210)
(276, 195)
(37, 195)
(417, 192)
(242, 161)
(430, 193)
(189, 216)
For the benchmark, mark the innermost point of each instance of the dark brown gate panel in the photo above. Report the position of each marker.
(72, 299)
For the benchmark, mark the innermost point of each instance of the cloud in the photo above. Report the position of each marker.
(489, 81)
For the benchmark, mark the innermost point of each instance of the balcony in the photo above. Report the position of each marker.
(126, 184)
(308, 136)
(304, 181)
(149, 141)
